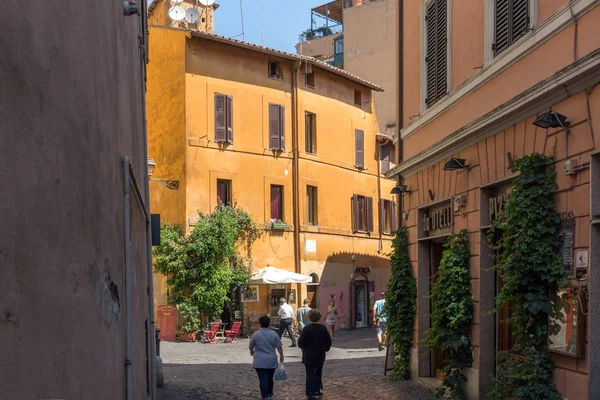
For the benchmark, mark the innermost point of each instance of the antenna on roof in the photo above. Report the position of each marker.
(242, 14)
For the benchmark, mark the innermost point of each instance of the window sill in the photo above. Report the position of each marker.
(275, 77)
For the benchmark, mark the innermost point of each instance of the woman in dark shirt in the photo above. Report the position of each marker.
(314, 341)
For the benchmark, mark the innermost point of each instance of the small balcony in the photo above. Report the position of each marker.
(326, 20)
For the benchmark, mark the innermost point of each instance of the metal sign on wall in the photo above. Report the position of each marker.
(567, 234)
(436, 221)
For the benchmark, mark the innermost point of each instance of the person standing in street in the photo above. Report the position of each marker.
(314, 341)
(302, 315)
(286, 313)
(380, 319)
(331, 317)
(262, 346)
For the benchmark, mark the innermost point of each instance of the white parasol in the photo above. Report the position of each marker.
(275, 276)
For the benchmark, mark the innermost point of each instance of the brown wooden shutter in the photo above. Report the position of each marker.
(229, 119)
(369, 214)
(511, 21)
(274, 127)
(359, 147)
(394, 217)
(220, 119)
(355, 225)
(282, 128)
(436, 58)
(381, 215)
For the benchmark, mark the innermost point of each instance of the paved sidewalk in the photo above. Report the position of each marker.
(353, 370)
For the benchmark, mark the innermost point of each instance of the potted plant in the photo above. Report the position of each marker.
(277, 224)
(189, 322)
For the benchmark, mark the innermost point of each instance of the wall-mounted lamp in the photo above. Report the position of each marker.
(130, 8)
(169, 184)
(551, 119)
(455, 163)
(399, 189)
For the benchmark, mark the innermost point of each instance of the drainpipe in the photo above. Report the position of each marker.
(378, 159)
(296, 174)
(400, 111)
(128, 388)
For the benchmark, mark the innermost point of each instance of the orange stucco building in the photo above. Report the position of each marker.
(471, 90)
(291, 140)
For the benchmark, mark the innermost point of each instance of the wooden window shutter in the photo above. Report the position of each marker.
(436, 59)
(369, 214)
(394, 217)
(220, 119)
(282, 128)
(274, 127)
(359, 148)
(229, 120)
(511, 21)
(381, 215)
(355, 223)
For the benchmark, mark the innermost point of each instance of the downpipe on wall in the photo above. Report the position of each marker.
(127, 214)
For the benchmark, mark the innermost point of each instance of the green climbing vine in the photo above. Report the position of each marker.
(400, 305)
(452, 315)
(529, 266)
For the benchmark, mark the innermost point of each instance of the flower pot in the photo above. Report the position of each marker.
(187, 336)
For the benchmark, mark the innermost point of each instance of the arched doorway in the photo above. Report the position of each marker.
(312, 291)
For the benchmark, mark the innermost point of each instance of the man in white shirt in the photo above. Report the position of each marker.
(286, 313)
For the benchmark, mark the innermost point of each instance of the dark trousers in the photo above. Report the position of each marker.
(314, 384)
(265, 378)
(286, 324)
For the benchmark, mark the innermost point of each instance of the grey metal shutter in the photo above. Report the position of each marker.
(359, 148)
(511, 21)
(436, 60)
(220, 119)
(274, 127)
(229, 117)
(369, 214)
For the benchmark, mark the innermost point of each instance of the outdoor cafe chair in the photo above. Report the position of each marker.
(231, 334)
(210, 336)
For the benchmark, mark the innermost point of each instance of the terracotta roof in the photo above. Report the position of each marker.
(285, 54)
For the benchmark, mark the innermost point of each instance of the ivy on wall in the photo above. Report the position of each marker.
(529, 265)
(401, 305)
(452, 315)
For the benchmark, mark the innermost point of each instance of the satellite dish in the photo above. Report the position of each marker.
(177, 13)
(207, 3)
(192, 15)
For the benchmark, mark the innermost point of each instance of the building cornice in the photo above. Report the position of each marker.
(541, 34)
(572, 79)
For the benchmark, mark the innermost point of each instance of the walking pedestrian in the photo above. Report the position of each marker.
(314, 341)
(262, 346)
(286, 314)
(331, 317)
(380, 319)
(302, 315)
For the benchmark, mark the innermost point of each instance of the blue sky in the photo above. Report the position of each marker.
(284, 20)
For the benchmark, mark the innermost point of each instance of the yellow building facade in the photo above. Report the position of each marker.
(291, 140)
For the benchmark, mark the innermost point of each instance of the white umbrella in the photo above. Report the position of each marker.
(275, 276)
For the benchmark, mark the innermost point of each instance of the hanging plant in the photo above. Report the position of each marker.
(452, 315)
(529, 266)
(401, 305)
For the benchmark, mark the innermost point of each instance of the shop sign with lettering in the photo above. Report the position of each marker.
(497, 203)
(437, 221)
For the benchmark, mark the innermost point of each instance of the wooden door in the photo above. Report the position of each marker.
(437, 250)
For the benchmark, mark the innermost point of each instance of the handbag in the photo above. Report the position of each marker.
(280, 373)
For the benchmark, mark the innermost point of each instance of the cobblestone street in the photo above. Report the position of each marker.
(353, 370)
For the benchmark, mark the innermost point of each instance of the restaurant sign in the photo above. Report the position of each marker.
(437, 220)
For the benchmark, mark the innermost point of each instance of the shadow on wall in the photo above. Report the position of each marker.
(354, 281)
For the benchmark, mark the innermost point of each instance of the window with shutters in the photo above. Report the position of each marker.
(387, 217)
(277, 202)
(275, 70)
(224, 191)
(276, 127)
(359, 149)
(223, 118)
(310, 123)
(312, 205)
(310, 79)
(436, 50)
(362, 213)
(511, 22)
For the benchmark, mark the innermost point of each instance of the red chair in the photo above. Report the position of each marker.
(231, 334)
(210, 336)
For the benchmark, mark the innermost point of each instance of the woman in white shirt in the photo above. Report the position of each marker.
(262, 346)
